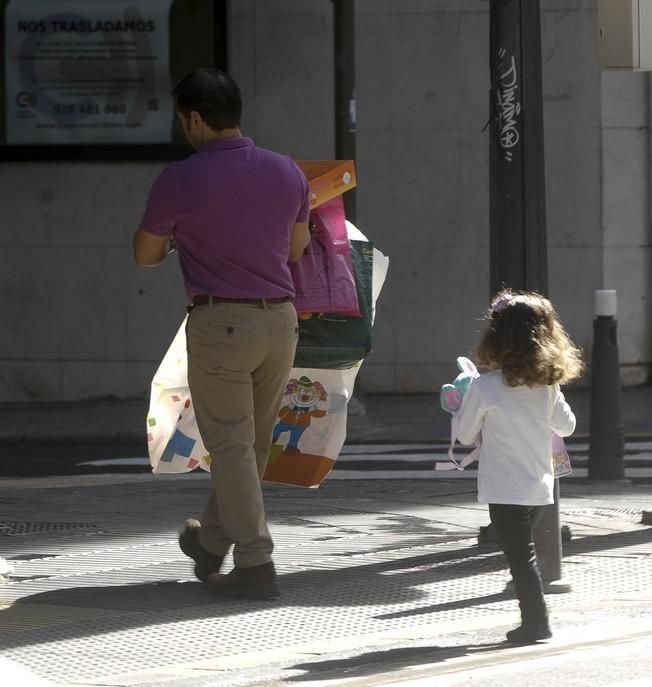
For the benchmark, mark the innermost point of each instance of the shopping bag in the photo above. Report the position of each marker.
(311, 426)
(311, 423)
(330, 341)
(173, 439)
(308, 435)
(560, 459)
(323, 278)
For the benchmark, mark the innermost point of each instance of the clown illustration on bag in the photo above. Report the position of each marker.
(311, 426)
(295, 418)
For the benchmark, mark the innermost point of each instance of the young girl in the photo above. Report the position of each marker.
(515, 406)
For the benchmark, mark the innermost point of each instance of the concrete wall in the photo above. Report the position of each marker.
(82, 321)
(423, 162)
(78, 319)
(627, 232)
(281, 55)
(572, 123)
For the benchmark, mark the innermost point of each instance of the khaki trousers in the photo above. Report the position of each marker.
(239, 359)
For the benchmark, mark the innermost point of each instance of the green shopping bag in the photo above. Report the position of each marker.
(329, 341)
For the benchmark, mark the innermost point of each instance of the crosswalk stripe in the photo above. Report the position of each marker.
(417, 461)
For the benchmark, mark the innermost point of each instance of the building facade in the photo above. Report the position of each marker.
(82, 321)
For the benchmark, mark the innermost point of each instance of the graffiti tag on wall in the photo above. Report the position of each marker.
(509, 106)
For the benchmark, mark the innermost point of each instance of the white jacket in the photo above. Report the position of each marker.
(516, 423)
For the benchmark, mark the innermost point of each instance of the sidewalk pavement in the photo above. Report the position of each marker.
(101, 595)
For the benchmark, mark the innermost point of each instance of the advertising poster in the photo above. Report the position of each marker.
(87, 71)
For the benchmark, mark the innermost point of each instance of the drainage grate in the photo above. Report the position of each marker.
(602, 512)
(17, 529)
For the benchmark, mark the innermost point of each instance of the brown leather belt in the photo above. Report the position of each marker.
(204, 299)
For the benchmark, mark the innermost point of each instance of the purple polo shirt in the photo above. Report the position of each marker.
(231, 208)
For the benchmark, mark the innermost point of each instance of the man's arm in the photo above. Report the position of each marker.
(149, 249)
(299, 240)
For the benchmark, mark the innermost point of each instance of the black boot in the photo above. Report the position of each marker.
(529, 633)
(531, 599)
(257, 582)
(534, 619)
(206, 563)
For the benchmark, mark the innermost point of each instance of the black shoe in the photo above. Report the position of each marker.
(258, 582)
(206, 563)
(529, 634)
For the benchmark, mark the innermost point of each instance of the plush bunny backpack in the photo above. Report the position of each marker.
(451, 397)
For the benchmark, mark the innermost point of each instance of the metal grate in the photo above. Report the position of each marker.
(633, 513)
(20, 529)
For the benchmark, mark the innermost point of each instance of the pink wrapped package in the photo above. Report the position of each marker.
(323, 277)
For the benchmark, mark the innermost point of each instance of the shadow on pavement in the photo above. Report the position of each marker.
(161, 602)
(139, 605)
(449, 606)
(602, 542)
(376, 662)
(589, 544)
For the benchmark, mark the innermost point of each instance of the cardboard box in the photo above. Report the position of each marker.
(328, 178)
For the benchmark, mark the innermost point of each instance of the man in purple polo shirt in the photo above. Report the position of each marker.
(237, 214)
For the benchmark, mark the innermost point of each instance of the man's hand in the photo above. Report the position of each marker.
(150, 250)
(299, 240)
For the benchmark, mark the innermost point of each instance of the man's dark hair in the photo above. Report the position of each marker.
(211, 93)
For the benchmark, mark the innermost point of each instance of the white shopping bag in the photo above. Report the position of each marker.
(308, 436)
(173, 438)
(310, 429)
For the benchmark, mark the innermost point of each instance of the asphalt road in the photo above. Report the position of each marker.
(384, 460)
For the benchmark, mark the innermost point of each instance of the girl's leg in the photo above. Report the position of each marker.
(514, 525)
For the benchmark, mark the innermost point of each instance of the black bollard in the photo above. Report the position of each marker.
(548, 544)
(607, 440)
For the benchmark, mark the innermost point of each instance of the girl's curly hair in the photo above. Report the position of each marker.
(526, 340)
